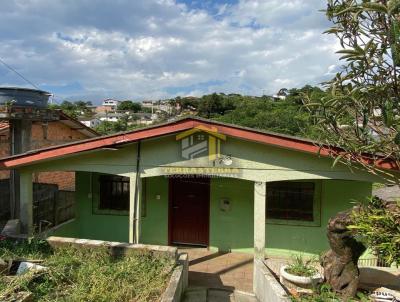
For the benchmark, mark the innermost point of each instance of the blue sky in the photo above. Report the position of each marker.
(156, 49)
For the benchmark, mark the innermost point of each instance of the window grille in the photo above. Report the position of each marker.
(290, 200)
(114, 193)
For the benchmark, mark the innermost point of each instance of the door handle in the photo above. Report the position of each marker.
(175, 207)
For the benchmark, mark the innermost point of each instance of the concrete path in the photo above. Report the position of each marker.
(216, 270)
(199, 294)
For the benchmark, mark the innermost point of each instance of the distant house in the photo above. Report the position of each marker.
(90, 122)
(147, 104)
(110, 102)
(108, 105)
(110, 117)
(146, 121)
(143, 118)
(158, 106)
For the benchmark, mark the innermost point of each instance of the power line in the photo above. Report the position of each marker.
(20, 75)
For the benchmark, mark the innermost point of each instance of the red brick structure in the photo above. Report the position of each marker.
(48, 134)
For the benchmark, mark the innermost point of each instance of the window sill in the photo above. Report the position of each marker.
(110, 212)
(294, 222)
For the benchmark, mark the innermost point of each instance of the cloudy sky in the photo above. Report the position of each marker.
(141, 49)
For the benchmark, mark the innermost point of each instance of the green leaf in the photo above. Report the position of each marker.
(349, 51)
(347, 10)
(393, 6)
(333, 30)
(337, 159)
(374, 6)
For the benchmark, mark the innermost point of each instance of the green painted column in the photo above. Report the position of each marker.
(259, 219)
(26, 203)
(134, 212)
(138, 210)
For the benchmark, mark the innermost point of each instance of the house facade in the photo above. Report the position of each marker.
(202, 183)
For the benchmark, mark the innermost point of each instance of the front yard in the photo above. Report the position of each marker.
(81, 274)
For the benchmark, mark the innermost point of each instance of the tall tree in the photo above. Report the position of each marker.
(211, 105)
(129, 106)
(361, 114)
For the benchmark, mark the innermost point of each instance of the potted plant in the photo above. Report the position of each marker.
(300, 273)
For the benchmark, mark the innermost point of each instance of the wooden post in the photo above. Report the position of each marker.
(26, 204)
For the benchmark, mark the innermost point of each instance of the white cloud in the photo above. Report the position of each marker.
(155, 49)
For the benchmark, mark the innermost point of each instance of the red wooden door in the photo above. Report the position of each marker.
(189, 211)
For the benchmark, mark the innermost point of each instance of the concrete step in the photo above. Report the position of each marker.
(195, 295)
(199, 294)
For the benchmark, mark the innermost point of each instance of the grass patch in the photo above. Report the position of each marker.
(85, 274)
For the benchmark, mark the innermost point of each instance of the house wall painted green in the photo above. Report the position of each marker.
(232, 230)
(255, 162)
(89, 225)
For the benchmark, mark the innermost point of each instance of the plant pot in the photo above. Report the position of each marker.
(301, 282)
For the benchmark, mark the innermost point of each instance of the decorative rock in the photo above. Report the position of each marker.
(340, 262)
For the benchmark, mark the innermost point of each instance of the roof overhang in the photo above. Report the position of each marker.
(111, 141)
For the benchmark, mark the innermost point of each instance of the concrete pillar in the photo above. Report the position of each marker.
(259, 219)
(134, 212)
(20, 142)
(26, 203)
(138, 210)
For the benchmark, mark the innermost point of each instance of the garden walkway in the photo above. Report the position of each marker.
(219, 277)
(229, 271)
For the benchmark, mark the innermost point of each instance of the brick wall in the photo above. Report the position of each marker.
(55, 133)
(4, 150)
(64, 180)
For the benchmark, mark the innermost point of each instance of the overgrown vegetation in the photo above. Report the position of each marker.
(287, 116)
(377, 224)
(324, 293)
(122, 125)
(85, 274)
(300, 266)
(74, 109)
(361, 112)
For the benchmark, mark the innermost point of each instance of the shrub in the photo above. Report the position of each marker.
(377, 224)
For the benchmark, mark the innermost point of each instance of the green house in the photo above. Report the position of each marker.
(200, 183)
